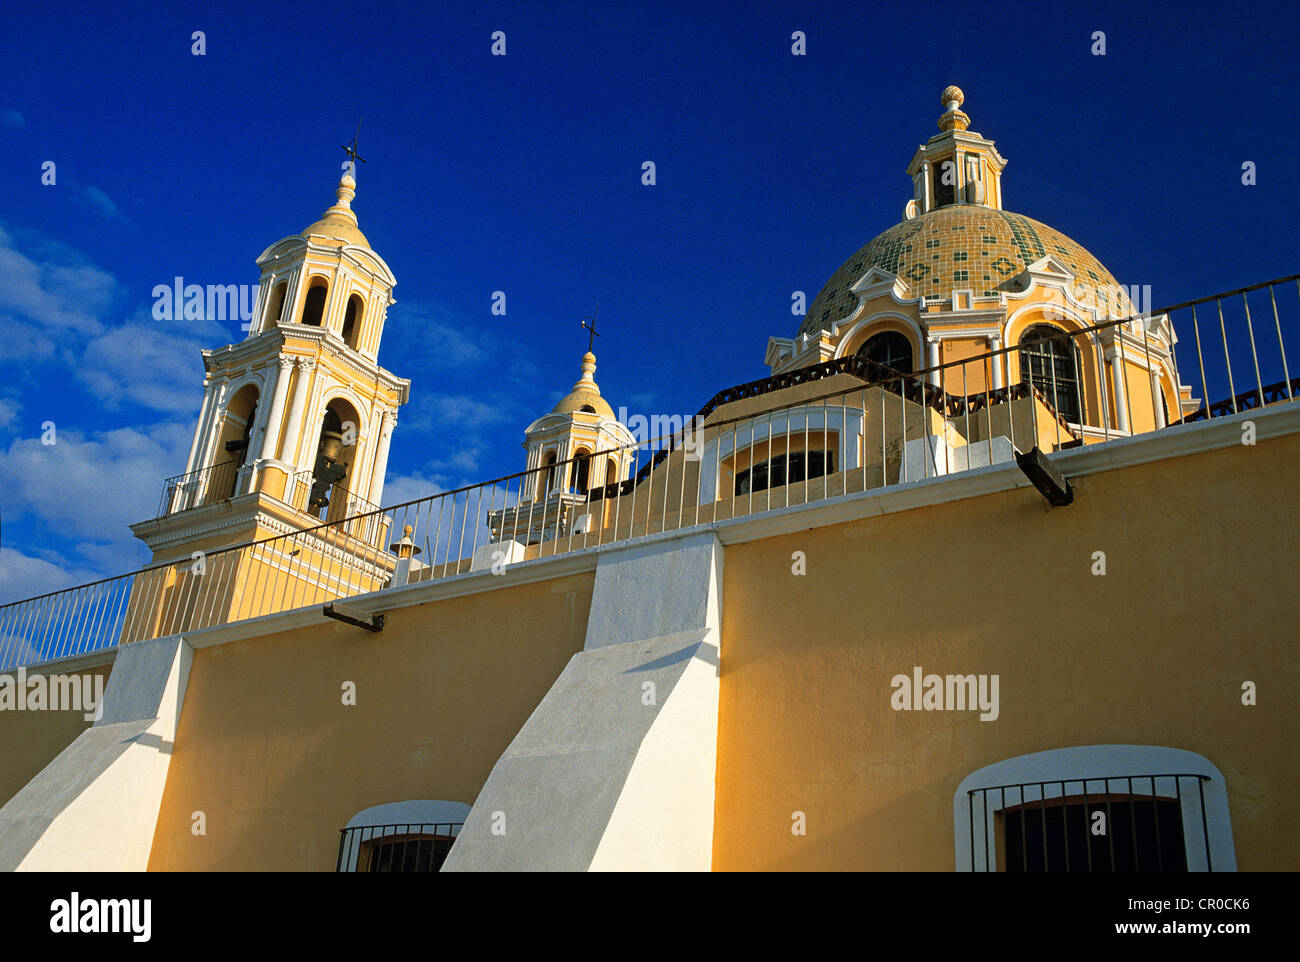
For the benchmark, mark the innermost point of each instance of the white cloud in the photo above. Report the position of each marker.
(92, 486)
(399, 489)
(440, 411)
(50, 296)
(25, 576)
(436, 336)
(9, 411)
(152, 363)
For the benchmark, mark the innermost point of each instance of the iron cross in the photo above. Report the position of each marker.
(351, 149)
(591, 328)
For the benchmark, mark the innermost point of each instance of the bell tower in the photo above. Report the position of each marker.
(576, 449)
(297, 418)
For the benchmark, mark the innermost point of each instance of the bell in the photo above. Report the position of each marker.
(331, 446)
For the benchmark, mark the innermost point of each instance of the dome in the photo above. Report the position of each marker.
(581, 401)
(339, 223)
(585, 395)
(339, 229)
(992, 246)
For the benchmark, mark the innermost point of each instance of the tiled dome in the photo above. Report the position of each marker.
(963, 247)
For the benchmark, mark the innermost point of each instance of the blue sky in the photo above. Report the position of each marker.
(523, 174)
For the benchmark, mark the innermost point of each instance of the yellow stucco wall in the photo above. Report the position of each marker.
(30, 740)
(278, 764)
(1199, 597)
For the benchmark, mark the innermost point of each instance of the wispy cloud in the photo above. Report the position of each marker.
(50, 295)
(434, 337)
(25, 576)
(156, 364)
(90, 485)
(9, 411)
(399, 489)
(100, 201)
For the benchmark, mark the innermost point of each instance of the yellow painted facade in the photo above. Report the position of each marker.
(270, 752)
(1152, 653)
(839, 572)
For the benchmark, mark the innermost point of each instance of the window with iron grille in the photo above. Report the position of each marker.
(1049, 360)
(773, 473)
(890, 349)
(419, 847)
(1057, 811)
(1103, 832)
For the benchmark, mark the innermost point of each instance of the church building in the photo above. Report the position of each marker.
(987, 570)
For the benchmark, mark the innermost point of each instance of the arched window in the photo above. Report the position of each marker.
(780, 470)
(352, 321)
(1163, 809)
(611, 471)
(413, 836)
(234, 441)
(890, 349)
(313, 308)
(548, 475)
(275, 309)
(581, 470)
(1049, 360)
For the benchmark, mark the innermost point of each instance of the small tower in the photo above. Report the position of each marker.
(956, 166)
(297, 418)
(578, 448)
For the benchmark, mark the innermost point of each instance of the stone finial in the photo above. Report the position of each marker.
(406, 548)
(953, 119)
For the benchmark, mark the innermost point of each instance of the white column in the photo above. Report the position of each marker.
(927, 189)
(1157, 394)
(381, 458)
(205, 409)
(997, 363)
(263, 413)
(934, 361)
(292, 435)
(1121, 392)
(292, 299)
(275, 416)
(211, 431)
(311, 419)
(255, 322)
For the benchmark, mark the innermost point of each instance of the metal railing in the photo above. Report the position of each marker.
(342, 502)
(1116, 823)
(402, 847)
(867, 426)
(204, 486)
